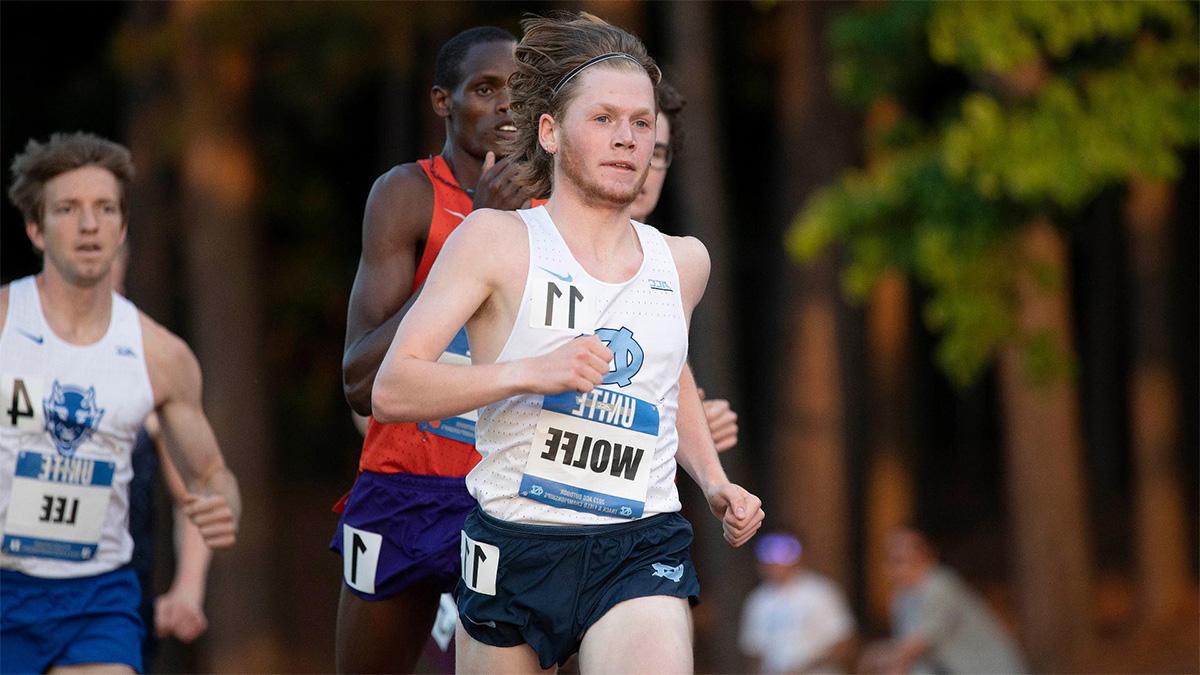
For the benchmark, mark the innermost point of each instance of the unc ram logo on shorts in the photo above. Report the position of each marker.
(72, 416)
(668, 572)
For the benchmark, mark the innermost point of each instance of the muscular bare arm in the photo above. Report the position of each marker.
(740, 512)
(213, 502)
(395, 221)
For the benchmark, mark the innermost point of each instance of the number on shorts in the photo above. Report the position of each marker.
(480, 562)
(361, 558)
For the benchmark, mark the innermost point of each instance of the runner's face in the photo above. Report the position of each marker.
(647, 199)
(607, 135)
(479, 105)
(82, 224)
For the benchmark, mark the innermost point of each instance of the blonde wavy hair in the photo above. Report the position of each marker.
(551, 48)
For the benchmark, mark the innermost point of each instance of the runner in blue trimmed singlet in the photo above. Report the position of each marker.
(80, 370)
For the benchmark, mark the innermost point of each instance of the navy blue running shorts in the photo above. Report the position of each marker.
(66, 622)
(398, 530)
(546, 585)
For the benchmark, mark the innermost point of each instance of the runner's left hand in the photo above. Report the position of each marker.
(740, 512)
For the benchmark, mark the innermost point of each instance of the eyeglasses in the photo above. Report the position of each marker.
(661, 157)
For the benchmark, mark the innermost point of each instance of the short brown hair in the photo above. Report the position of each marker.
(670, 104)
(550, 49)
(64, 152)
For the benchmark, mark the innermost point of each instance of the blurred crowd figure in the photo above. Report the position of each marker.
(939, 625)
(796, 621)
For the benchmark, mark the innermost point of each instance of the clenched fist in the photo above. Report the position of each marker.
(579, 365)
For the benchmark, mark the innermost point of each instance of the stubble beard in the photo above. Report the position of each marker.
(594, 193)
(77, 274)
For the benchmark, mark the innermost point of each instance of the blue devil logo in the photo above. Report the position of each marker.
(627, 355)
(71, 416)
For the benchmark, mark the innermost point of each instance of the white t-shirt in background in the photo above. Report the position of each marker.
(791, 626)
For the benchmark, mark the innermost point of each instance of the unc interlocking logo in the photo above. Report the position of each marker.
(627, 355)
(667, 572)
(71, 416)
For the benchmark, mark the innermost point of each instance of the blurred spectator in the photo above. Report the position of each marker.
(796, 621)
(939, 624)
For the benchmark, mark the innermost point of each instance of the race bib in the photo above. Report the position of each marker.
(462, 427)
(593, 453)
(360, 559)
(480, 564)
(558, 304)
(57, 506)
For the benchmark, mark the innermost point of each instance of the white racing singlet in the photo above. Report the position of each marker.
(603, 457)
(69, 418)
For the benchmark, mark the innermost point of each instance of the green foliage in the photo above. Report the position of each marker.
(1064, 100)
(881, 50)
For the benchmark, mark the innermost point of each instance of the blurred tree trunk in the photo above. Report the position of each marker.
(152, 281)
(1045, 481)
(1154, 408)
(221, 267)
(809, 458)
(703, 211)
(889, 482)
(889, 492)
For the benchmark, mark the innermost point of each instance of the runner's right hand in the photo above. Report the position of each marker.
(579, 365)
(497, 187)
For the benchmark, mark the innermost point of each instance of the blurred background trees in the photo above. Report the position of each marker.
(983, 320)
(996, 124)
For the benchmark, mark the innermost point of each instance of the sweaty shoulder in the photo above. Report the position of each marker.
(693, 265)
(173, 368)
(399, 205)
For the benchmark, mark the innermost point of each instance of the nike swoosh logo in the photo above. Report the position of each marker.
(36, 338)
(563, 278)
(456, 214)
(489, 624)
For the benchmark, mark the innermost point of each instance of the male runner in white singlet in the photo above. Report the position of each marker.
(80, 369)
(577, 319)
